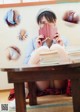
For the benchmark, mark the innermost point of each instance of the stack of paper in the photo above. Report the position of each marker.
(74, 55)
(49, 58)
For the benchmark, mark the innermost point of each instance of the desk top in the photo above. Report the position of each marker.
(19, 68)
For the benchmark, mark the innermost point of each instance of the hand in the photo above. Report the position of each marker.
(39, 41)
(58, 39)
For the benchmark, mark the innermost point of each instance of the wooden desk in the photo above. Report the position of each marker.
(19, 75)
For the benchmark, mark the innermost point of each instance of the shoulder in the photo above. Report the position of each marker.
(32, 39)
(32, 42)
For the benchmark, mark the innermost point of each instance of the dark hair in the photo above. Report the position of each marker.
(50, 16)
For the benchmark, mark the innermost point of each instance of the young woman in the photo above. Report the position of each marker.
(38, 44)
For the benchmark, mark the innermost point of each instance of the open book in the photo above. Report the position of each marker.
(54, 55)
(48, 31)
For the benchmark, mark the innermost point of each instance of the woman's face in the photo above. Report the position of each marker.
(45, 21)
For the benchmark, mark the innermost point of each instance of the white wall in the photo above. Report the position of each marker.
(11, 1)
(1, 1)
(8, 36)
(18, 1)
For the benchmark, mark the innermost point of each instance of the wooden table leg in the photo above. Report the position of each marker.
(76, 94)
(20, 97)
(32, 93)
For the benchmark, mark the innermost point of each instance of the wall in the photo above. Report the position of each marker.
(9, 36)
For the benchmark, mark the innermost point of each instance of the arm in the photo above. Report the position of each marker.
(29, 50)
(32, 44)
